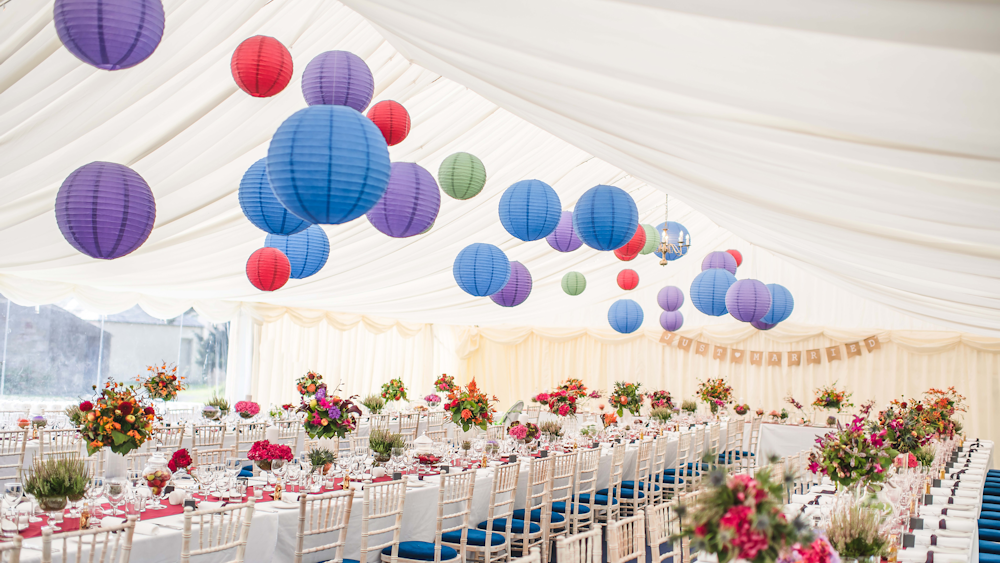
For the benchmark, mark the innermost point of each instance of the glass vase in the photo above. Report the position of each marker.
(156, 475)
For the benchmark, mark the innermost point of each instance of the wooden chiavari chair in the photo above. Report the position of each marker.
(202, 457)
(563, 472)
(12, 448)
(408, 424)
(11, 552)
(378, 421)
(533, 556)
(675, 480)
(381, 501)
(494, 433)
(659, 464)
(661, 525)
(437, 435)
(503, 493)
(107, 544)
(714, 436)
(323, 514)
(525, 533)
(581, 513)
(219, 529)
(208, 436)
(584, 547)
(627, 539)
(435, 421)
(310, 445)
(288, 432)
(607, 506)
(534, 412)
(59, 443)
(749, 458)
(633, 493)
(138, 460)
(248, 433)
(455, 507)
(690, 502)
(168, 438)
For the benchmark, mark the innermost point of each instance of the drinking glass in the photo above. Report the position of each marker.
(116, 489)
(233, 467)
(292, 471)
(13, 492)
(397, 458)
(33, 513)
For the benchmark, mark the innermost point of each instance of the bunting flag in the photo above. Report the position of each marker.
(667, 337)
(812, 356)
(872, 343)
(736, 356)
(773, 358)
(756, 358)
(794, 358)
(719, 353)
(833, 353)
(853, 349)
(701, 348)
(684, 343)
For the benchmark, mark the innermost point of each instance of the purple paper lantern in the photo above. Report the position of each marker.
(719, 259)
(670, 298)
(110, 34)
(338, 78)
(410, 204)
(761, 325)
(671, 320)
(105, 210)
(748, 300)
(517, 289)
(564, 238)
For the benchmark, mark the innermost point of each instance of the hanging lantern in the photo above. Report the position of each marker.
(110, 34)
(761, 325)
(563, 238)
(517, 288)
(428, 229)
(410, 204)
(671, 320)
(625, 316)
(338, 78)
(392, 120)
(261, 66)
(736, 254)
(462, 175)
(262, 208)
(628, 279)
(328, 164)
(573, 283)
(719, 259)
(670, 298)
(530, 210)
(708, 291)
(605, 217)
(105, 210)
(748, 300)
(677, 236)
(268, 269)
(782, 304)
(481, 269)
(307, 251)
(631, 249)
(652, 239)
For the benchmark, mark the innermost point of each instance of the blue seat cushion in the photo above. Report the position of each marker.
(536, 516)
(668, 479)
(991, 499)
(992, 491)
(684, 473)
(473, 537)
(989, 558)
(624, 493)
(989, 547)
(699, 466)
(560, 506)
(993, 508)
(598, 499)
(642, 486)
(421, 551)
(989, 535)
(516, 526)
(989, 523)
(994, 472)
(345, 560)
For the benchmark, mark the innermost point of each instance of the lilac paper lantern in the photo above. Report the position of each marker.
(670, 298)
(671, 320)
(338, 78)
(748, 300)
(761, 325)
(110, 34)
(410, 204)
(564, 238)
(517, 289)
(105, 210)
(719, 259)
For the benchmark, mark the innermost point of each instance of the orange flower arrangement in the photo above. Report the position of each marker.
(308, 383)
(117, 418)
(470, 407)
(162, 382)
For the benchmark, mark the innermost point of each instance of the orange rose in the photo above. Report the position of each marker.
(311, 388)
(466, 414)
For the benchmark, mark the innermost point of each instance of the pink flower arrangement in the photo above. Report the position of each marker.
(432, 398)
(562, 402)
(595, 394)
(264, 450)
(542, 397)
(518, 432)
(247, 409)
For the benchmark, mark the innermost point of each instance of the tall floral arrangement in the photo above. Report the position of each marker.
(327, 417)
(857, 453)
(661, 400)
(116, 418)
(445, 383)
(626, 396)
(162, 382)
(831, 398)
(308, 383)
(470, 407)
(574, 388)
(562, 402)
(940, 408)
(904, 424)
(394, 390)
(716, 393)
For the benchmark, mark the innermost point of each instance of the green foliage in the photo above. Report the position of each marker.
(924, 455)
(219, 403)
(373, 403)
(551, 427)
(662, 414)
(57, 478)
(855, 531)
(689, 406)
(382, 441)
(318, 457)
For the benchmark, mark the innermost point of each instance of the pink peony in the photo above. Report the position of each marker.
(518, 432)
(563, 410)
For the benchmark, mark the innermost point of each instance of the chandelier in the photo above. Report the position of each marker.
(667, 247)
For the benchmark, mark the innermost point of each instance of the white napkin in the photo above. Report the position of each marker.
(942, 500)
(962, 484)
(146, 529)
(208, 505)
(919, 555)
(952, 524)
(964, 493)
(977, 455)
(109, 521)
(822, 490)
(934, 511)
(923, 539)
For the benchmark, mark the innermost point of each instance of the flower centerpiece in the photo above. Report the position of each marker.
(906, 430)
(374, 404)
(523, 432)
(831, 398)
(857, 531)
(716, 393)
(562, 402)
(117, 418)
(326, 417)
(308, 383)
(595, 394)
(54, 481)
(689, 406)
(432, 400)
(265, 454)
(445, 383)
(626, 396)
(940, 407)
(775, 415)
(470, 407)
(247, 409)
(394, 390)
(321, 460)
(220, 403)
(855, 454)
(742, 409)
(552, 428)
(661, 414)
(181, 459)
(574, 387)
(661, 399)
(609, 418)
(210, 412)
(162, 382)
(382, 441)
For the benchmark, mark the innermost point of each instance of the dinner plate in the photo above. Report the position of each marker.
(8, 525)
(283, 504)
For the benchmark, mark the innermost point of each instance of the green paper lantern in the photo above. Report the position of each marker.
(652, 239)
(573, 283)
(462, 175)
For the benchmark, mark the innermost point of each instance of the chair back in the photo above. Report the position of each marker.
(382, 500)
(661, 525)
(494, 433)
(534, 412)
(323, 514)
(533, 556)
(137, 460)
(539, 497)
(563, 472)
(754, 436)
(584, 483)
(248, 433)
(310, 445)
(680, 467)
(219, 529)
(435, 421)
(168, 438)
(408, 424)
(714, 435)
(437, 435)
(59, 443)
(107, 544)
(11, 552)
(503, 494)
(615, 480)
(208, 436)
(584, 547)
(378, 421)
(627, 539)
(288, 432)
(202, 457)
(12, 447)
(454, 509)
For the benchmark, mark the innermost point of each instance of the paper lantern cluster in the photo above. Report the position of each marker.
(392, 120)
(517, 288)
(708, 291)
(632, 248)
(625, 316)
(670, 299)
(628, 279)
(748, 300)
(530, 210)
(605, 217)
(307, 252)
(338, 78)
(715, 291)
(481, 269)
(268, 269)
(719, 259)
(410, 204)
(261, 206)
(573, 283)
(261, 66)
(462, 175)
(110, 34)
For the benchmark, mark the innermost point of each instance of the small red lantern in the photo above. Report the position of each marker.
(631, 248)
(261, 66)
(268, 269)
(628, 279)
(392, 120)
(736, 254)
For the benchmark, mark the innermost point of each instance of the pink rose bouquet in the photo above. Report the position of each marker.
(247, 409)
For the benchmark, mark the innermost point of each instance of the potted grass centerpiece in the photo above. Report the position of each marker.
(382, 441)
(55, 481)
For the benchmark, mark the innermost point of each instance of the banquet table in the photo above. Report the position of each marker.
(784, 440)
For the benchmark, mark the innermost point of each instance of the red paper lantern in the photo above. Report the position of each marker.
(392, 120)
(628, 279)
(736, 254)
(268, 269)
(631, 248)
(261, 66)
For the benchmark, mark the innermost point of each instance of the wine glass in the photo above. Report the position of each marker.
(234, 466)
(292, 471)
(95, 488)
(13, 492)
(397, 458)
(116, 489)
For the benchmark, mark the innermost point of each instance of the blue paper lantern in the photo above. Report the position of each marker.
(674, 233)
(481, 269)
(605, 217)
(782, 304)
(708, 291)
(328, 164)
(719, 259)
(338, 78)
(625, 316)
(306, 251)
(261, 206)
(530, 209)
(110, 34)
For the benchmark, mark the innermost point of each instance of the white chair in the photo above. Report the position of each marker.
(503, 493)
(454, 506)
(749, 458)
(59, 443)
(437, 435)
(203, 457)
(627, 539)
(581, 512)
(435, 421)
(606, 507)
(323, 514)
(138, 460)
(659, 464)
(534, 412)
(534, 556)
(584, 547)
(526, 533)
(11, 552)
(634, 492)
(219, 529)
(563, 472)
(12, 447)
(107, 544)
(381, 501)
(661, 525)
(494, 433)
(208, 436)
(168, 438)
(408, 424)
(288, 433)
(674, 480)
(733, 449)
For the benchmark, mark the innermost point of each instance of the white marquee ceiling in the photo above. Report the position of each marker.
(874, 203)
